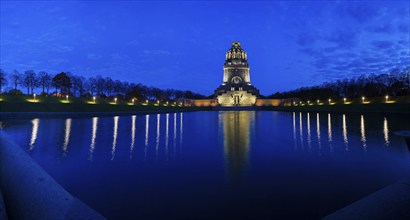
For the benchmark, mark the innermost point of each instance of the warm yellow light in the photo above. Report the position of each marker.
(344, 100)
(115, 100)
(363, 99)
(66, 97)
(32, 100)
(330, 101)
(94, 99)
(34, 96)
(308, 102)
(387, 98)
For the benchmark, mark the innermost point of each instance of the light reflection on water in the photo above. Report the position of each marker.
(226, 120)
(363, 132)
(34, 132)
(386, 132)
(301, 130)
(246, 145)
(67, 135)
(93, 136)
(133, 118)
(345, 140)
(294, 130)
(329, 131)
(236, 138)
(157, 139)
(114, 137)
(308, 131)
(318, 131)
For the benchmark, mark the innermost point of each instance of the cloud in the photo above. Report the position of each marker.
(403, 28)
(305, 39)
(93, 56)
(360, 12)
(382, 44)
(157, 52)
(380, 28)
(344, 39)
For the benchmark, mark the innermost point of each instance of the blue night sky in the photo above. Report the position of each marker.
(182, 45)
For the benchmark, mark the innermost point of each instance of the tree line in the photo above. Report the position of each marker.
(66, 83)
(394, 83)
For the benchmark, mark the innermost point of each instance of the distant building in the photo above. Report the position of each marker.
(236, 88)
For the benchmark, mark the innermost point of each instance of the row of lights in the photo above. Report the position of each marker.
(344, 100)
(115, 100)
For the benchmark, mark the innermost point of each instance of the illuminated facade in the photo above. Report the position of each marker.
(236, 89)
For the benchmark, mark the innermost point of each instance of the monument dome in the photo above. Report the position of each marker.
(236, 88)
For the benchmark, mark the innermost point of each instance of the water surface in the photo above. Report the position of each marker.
(208, 165)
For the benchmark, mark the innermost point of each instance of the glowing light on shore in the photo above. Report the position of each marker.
(115, 100)
(66, 98)
(94, 99)
(387, 98)
(363, 98)
(344, 100)
(34, 96)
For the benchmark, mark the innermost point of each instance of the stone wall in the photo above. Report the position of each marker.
(205, 102)
(268, 102)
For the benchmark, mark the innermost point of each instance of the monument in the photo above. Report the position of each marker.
(236, 88)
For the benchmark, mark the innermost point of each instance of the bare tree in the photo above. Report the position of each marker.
(44, 80)
(109, 84)
(3, 80)
(16, 78)
(78, 85)
(29, 80)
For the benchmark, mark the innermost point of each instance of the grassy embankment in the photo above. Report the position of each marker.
(376, 104)
(22, 103)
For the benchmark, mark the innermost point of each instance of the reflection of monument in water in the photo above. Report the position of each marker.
(236, 89)
(236, 133)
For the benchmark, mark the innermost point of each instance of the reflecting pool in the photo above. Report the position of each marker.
(207, 165)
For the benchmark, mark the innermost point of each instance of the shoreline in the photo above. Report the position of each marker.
(19, 110)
